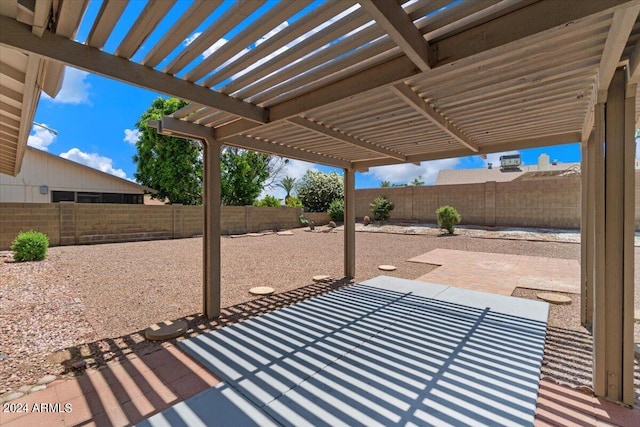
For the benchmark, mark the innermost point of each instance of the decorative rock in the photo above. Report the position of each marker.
(12, 396)
(46, 380)
(554, 298)
(3, 356)
(80, 364)
(26, 388)
(321, 278)
(636, 316)
(332, 224)
(366, 220)
(385, 267)
(262, 290)
(37, 388)
(285, 233)
(165, 330)
(636, 347)
(312, 225)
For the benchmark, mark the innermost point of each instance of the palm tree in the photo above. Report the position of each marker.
(417, 182)
(385, 184)
(287, 183)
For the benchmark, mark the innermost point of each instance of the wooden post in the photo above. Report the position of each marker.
(349, 223)
(211, 239)
(586, 233)
(613, 311)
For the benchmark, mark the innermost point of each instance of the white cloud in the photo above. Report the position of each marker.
(191, 38)
(93, 160)
(131, 136)
(405, 173)
(295, 169)
(41, 138)
(272, 33)
(75, 90)
(494, 158)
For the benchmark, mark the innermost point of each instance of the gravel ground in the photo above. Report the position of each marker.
(91, 302)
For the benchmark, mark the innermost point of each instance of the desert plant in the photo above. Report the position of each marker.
(303, 220)
(268, 201)
(30, 246)
(293, 202)
(381, 208)
(448, 217)
(316, 190)
(336, 210)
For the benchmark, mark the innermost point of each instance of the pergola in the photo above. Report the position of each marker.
(369, 83)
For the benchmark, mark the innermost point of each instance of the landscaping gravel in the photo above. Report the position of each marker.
(85, 301)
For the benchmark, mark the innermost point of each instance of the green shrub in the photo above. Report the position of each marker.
(316, 190)
(268, 201)
(30, 246)
(381, 208)
(336, 210)
(293, 202)
(448, 217)
(303, 220)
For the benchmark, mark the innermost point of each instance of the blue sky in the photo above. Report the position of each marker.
(95, 117)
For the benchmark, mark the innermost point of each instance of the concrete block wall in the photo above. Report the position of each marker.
(17, 217)
(552, 202)
(70, 223)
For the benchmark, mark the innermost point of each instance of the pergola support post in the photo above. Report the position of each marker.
(211, 239)
(349, 223)
(614, 233)
(587, 235)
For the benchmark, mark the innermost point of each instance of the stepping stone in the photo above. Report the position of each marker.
(262, 290)
(321, 278)
(285, 233)
(46, 380)
(385, 267)
(165, 330)
(554, 298)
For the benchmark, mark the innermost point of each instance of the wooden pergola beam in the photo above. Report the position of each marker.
(621, 26)
(19, 36)
(395, 22)
(344, 137)
(633, 69)
(171, 126)
(108, 16)
(416, 102)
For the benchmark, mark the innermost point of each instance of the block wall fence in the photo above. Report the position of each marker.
(549, 203)
(69, 223)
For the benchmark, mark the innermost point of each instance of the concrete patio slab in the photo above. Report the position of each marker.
(500, 273)
(372, 354)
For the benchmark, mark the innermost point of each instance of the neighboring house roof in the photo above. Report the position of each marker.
(70, 163)
(475, 176)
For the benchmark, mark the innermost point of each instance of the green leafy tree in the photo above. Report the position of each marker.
(172, 166)
(316, 190)
(385, 184)
(244, 175)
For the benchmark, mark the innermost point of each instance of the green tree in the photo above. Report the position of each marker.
(244, 174)
(385, 184)
(287, 184)
(316, 190)
(172, 166)
(417, 182)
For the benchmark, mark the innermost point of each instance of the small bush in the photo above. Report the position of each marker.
(303, 220)
(316, 190)
(268, 201)
(336, 210)
(381, 208)
(448, 217)
(30, 246)
(293, 202)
